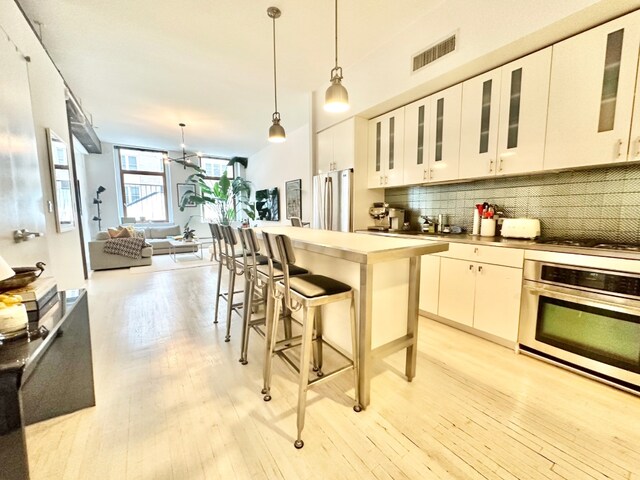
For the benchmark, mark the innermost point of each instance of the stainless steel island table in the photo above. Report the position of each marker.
(385, 274)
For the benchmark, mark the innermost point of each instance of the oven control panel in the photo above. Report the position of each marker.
(606, 282)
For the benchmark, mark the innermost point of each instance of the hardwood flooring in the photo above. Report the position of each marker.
(173, 402)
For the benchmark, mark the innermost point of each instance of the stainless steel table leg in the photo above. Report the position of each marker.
(364, 325)
(412, 317)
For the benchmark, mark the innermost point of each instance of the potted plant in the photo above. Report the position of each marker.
(227, 196)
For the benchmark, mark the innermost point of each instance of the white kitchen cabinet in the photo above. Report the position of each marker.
(386, 145)
(479, 125)
(444, 134)
(416, 141)
(523, 113)
(429, 283)
(481, 294)
(335, 147)
(497, 300)
(457, 289)
(634, 139)
(593, 76)
(504, 118)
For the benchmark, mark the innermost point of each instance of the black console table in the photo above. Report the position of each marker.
(46, 374)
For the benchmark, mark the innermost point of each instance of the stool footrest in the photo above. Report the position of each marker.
(287, 345)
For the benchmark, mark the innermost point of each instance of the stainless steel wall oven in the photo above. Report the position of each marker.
(586, 319)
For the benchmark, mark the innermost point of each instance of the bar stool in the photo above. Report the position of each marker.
(216, 234)
(229, 258)
(258, 276)
(310, 292)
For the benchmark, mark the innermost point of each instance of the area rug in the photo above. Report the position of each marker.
(162, 263)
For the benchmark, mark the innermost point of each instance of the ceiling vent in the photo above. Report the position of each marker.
(434, 52)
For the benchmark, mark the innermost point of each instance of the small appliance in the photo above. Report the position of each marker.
(380, 214)
(396, 218)
(520, 228)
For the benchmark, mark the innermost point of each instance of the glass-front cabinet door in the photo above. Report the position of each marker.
(416, 141)
(386, 147)
(444, 134)
(479, 125)
(524, 100)
(593, 77)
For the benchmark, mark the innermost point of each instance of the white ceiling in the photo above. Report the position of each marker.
(141, 67)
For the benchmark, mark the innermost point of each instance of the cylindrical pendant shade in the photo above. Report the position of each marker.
(336, 99)
(276, 133)
(5, 270)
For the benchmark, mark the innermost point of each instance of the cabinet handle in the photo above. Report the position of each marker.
(431, 174)
(619, 149)
(424, 174)
(491, 166)
(500, 164)
(471, 267)
(475, 250)
(638, 148)
(480, 268)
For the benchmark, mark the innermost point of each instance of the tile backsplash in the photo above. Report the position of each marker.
(601, 203)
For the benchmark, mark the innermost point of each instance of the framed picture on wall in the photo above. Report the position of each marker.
(293, 193)
(184, 188)
(268, 204)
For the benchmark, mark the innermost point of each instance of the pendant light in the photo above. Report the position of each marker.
(336, 99)
(186, 158)
(276, 131)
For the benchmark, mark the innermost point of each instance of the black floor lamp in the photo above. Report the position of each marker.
(97, 201)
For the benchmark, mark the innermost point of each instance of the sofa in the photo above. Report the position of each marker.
(98, 260)
(156, 237)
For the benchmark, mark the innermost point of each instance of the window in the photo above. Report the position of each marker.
(213, 168)
(143, 181)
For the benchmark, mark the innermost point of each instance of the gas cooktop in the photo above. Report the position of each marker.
(590, 243)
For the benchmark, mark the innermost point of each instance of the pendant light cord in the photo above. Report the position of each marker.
(336, 31)
(275, 85)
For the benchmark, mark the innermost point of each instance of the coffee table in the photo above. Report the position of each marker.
(174, 245)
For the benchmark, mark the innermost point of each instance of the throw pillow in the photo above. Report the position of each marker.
(124, 233)
(119, 232)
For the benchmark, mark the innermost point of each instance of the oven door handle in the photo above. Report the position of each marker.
(589, 299)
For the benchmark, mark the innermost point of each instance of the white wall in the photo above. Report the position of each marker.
(100, 171)
(281, 162)
(49, 111)
(490, 34)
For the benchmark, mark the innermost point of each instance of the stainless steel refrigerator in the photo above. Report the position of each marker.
(333, 200)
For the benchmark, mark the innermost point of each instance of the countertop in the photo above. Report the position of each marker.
(507, 242)
(358, 247)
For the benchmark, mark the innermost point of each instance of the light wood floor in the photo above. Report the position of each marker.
(174, 403)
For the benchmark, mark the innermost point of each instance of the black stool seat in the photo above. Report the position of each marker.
(312, 286)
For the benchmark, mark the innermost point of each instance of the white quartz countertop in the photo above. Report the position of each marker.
(356, 247)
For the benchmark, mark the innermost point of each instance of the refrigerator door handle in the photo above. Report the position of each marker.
(325, 201)
(330, 204)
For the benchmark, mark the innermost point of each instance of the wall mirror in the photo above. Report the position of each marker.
(61, 182)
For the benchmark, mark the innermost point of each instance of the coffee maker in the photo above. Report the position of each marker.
(380, 214)
(396, 218)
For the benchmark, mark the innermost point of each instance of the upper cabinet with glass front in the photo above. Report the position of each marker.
(416, 141)
(386, 144)
(432, 137)
(593, 76)
(504, 118)
(444, 134)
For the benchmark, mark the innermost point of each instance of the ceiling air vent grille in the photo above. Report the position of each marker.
(434, 52)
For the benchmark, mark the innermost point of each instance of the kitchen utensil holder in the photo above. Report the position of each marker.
(488, 227)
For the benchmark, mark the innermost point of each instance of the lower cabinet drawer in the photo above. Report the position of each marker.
(508, 257)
